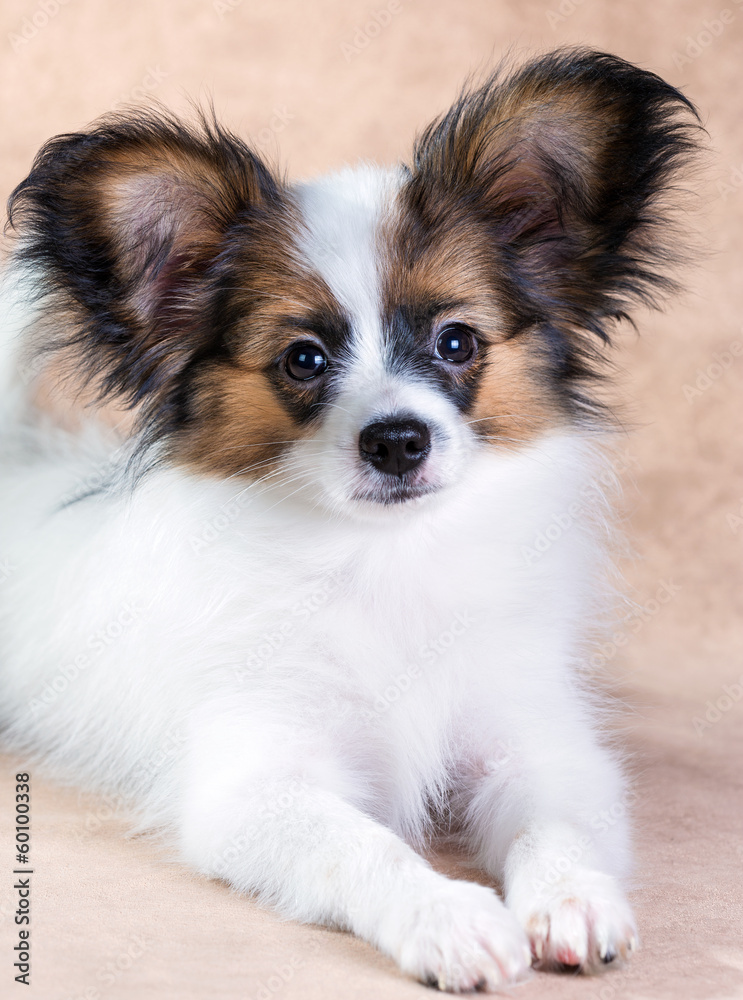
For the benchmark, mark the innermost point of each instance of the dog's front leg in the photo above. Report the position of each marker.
(574, 912)
(307, 850)
(546, 814)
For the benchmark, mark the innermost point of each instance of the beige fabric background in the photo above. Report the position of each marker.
(308, 79)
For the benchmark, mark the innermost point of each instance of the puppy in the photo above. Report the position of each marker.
(294, 606)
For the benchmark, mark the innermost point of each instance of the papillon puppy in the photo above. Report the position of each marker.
(284, 573)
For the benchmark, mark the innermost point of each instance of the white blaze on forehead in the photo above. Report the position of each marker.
(342, 217)
(342, 214)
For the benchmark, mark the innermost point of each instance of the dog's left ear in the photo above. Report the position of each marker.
(127, 224)
(564, 166)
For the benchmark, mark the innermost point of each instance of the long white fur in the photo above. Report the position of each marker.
(286, 684)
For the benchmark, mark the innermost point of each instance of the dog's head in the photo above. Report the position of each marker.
(364, 336)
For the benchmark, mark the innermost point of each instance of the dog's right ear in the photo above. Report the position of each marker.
(125, 223)
(567, 163)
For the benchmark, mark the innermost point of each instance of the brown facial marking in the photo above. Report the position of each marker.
(438, 253)
(244, 412)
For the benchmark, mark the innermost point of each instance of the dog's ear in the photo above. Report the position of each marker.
(565, 165)
(126, 222)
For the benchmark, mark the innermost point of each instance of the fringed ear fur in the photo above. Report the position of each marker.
(125, 222)
(565, 165)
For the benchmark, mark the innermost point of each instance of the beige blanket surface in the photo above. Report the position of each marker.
(325, 83)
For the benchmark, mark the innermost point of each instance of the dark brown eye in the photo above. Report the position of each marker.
(305, 361)
(456, 344)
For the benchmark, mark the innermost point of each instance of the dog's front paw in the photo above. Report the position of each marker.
(461, 938)
(583, 920)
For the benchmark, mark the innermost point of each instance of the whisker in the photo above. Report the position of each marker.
(241, 288)
(271, 475)
(503, 416)
(503, 437)
(250, 468)
(532, 449)
(267, 461)
(258, 493)
(251, 444)
(336, 405)
(288, 495)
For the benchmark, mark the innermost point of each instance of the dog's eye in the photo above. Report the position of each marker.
(305, 361)
(456, 344)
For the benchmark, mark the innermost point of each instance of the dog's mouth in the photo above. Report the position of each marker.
(397, 491)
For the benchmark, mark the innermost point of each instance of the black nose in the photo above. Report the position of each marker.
(395, 446)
